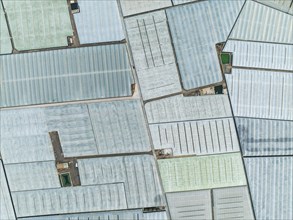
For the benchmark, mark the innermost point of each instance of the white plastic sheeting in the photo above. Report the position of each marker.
(261, 55)
(119, 127)
(70, 200)
(179, 108)
(130, 7)
(202, 172)
(153, 54)
(232, 203)
(74, 127)
(38, 24)
(32, 176)
(271, 186)
(196, 137)
(24, 136)
(261, 94)
(98, 21)
(6, 206)
(258, 22)
(84, 129)
(137, 173)
(5, 43)
(65, 75)
(191, 205)
(260, 137)
(283, 5)
(196, 29)
(178, 2)
(110, 215)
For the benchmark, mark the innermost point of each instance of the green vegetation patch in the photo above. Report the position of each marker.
(225, 57)
(65, 179)
(219, 89)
